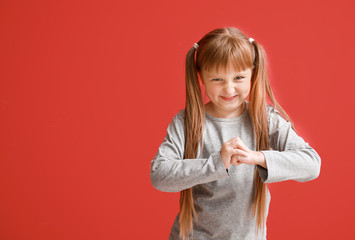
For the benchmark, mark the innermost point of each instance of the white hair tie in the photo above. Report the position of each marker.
(195, 45)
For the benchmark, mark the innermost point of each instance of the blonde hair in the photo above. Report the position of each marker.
(217, 49)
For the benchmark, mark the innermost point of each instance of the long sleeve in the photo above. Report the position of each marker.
(291, 158)
(171, 173)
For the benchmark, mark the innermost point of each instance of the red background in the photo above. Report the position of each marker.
(88, 89)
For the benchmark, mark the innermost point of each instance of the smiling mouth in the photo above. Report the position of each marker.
(229, 98)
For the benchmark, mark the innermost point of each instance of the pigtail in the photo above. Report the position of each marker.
(259, 120)
(194, 124)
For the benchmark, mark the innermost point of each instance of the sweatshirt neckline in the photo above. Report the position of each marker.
(229, 119)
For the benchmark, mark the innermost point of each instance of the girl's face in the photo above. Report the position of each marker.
(227, 91)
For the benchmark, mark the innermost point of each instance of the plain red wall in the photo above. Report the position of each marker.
(88, 89)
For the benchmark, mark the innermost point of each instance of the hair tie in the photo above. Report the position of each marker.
(251, 40)
(195, 45)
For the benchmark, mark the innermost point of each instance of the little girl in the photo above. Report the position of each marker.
(221, 155)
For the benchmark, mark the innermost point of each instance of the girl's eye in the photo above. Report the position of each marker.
(219, 79)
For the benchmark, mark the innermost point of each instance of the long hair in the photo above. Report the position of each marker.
(217, 49)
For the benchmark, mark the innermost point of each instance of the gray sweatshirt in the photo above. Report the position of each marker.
(223, 200)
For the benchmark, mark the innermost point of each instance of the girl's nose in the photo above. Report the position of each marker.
(229, 88)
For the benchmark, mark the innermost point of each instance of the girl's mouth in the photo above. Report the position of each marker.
(229, 98)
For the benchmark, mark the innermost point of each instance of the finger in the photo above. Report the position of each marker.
(233, 141)
(236, 164)
(242, 146)
(242, 159)
(239, 152)
(237, 142)
(234, 159)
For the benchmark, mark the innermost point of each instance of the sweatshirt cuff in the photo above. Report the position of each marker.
(221, 171)
(263, 172)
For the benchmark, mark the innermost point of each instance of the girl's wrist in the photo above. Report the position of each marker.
(261, 161)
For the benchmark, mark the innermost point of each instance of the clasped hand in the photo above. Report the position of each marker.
(235, 152)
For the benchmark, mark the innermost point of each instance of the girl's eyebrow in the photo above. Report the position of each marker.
(218, 75)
